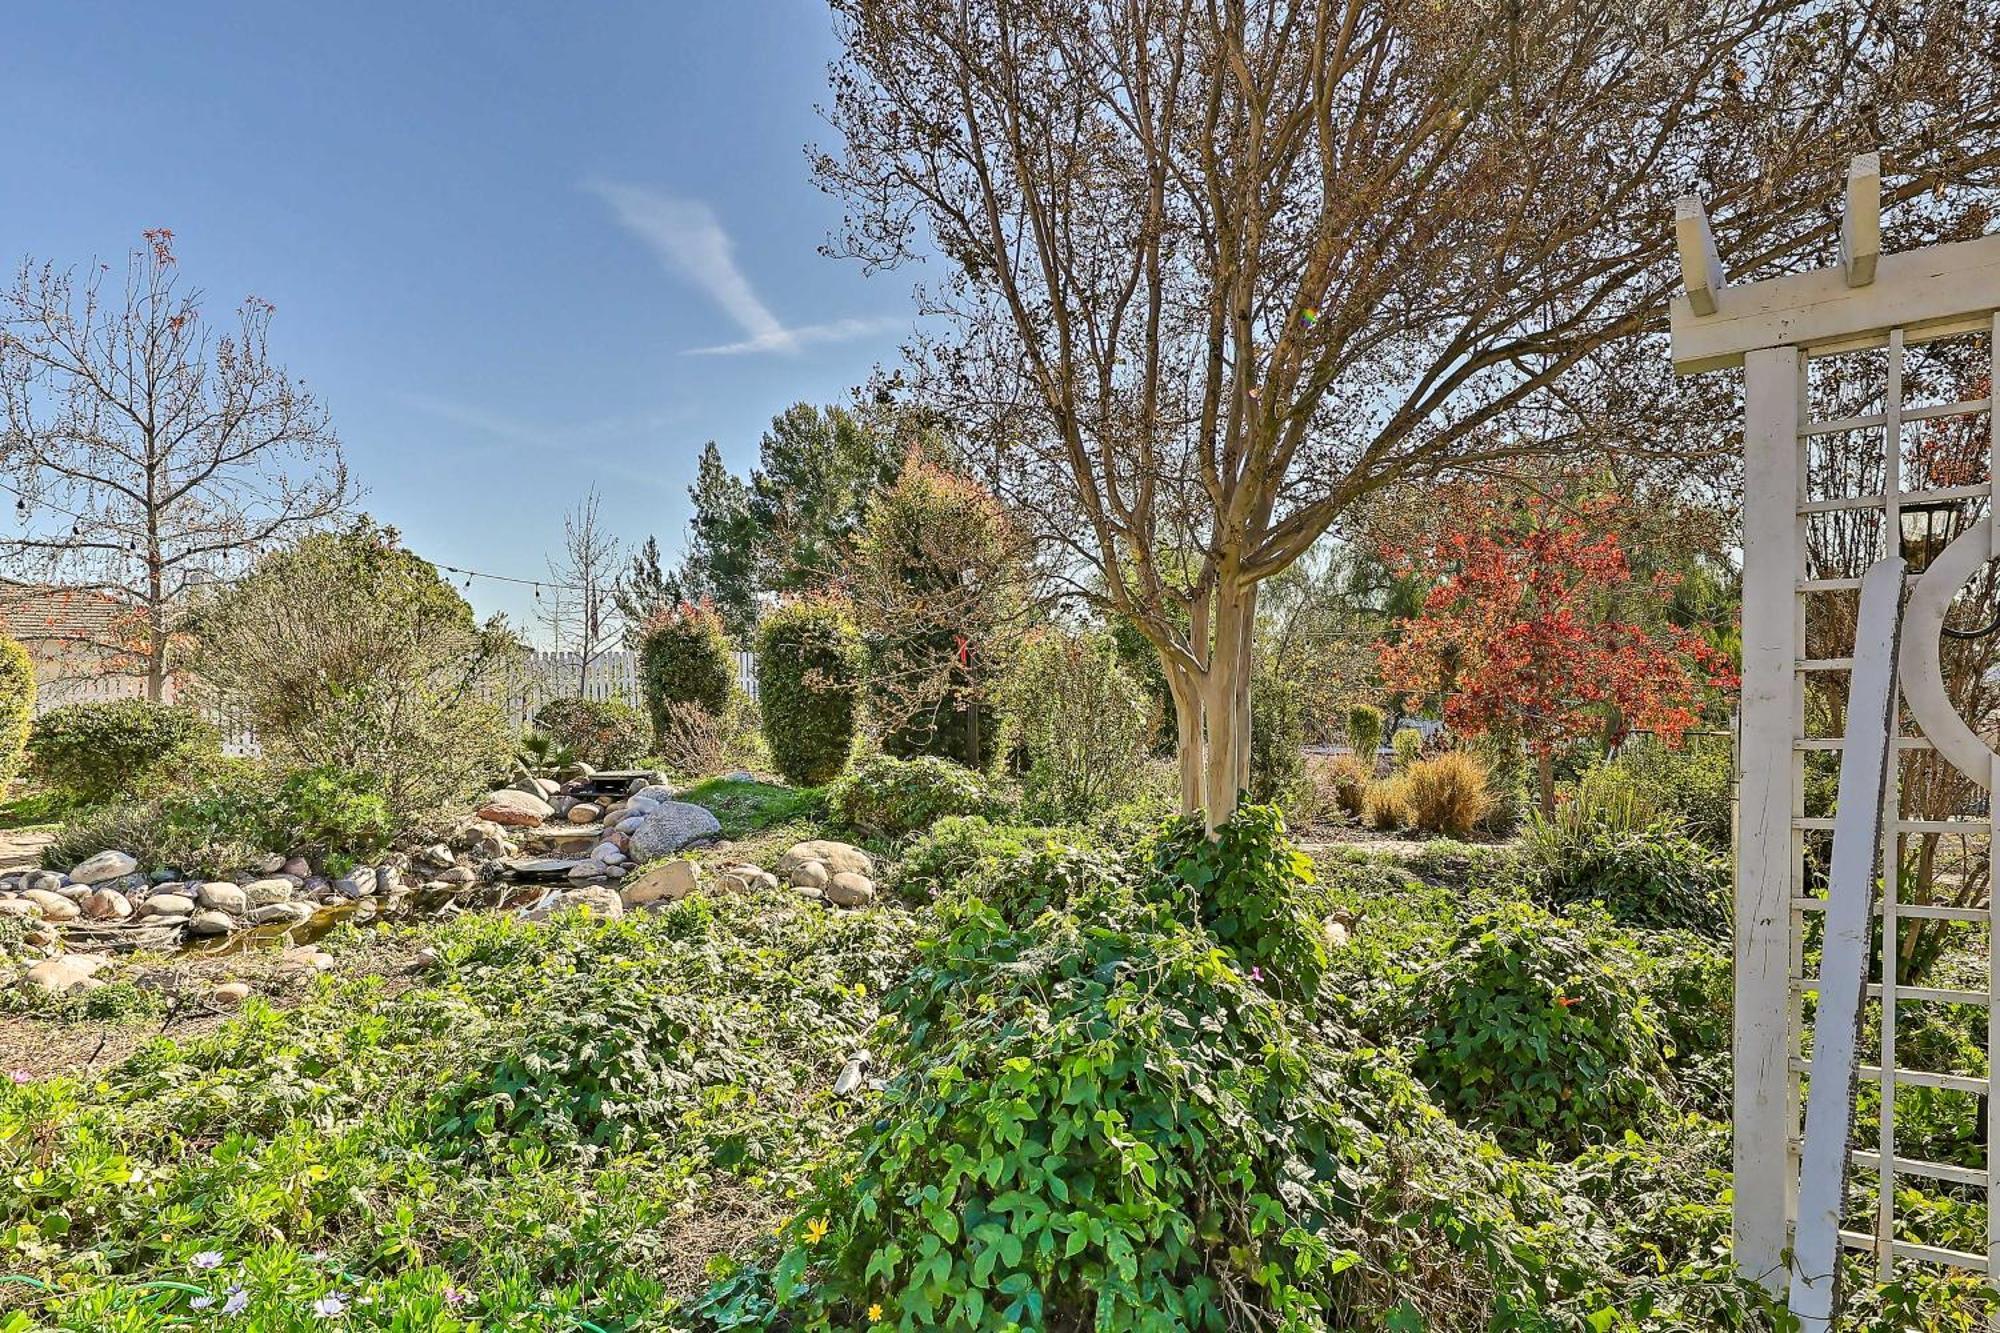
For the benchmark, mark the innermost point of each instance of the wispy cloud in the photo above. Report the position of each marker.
(688, 239)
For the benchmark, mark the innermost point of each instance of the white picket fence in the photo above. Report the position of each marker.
(611, 676)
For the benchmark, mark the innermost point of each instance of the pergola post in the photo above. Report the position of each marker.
(1768, 801)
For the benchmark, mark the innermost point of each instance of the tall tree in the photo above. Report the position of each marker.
(584, 614)
(645, 586)
(721, 561)
(1217, 269)
(816, 469)
(153, 452)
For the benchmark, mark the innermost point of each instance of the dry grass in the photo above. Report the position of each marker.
(1449, 793)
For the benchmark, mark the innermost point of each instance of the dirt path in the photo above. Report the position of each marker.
(22, 848)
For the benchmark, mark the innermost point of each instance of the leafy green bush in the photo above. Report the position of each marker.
(1364, 731)
(346, 651)
(1251, 889)
(604, 733)
(235, 810)
(1407, 745)
(95, 752)
(885, 797)
(953, 850)
(1534, 1026)
(1081, 720)
(809, 670)
(685, 657)
(17, 706)
(1277, 738)
(1655, 876)
(1692, 782)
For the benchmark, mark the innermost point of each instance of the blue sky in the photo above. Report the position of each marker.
(516, 248)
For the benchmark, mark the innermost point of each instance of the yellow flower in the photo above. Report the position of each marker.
(875, 1314)
(816, 1231)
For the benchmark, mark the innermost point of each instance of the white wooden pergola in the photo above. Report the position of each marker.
(1881, 304)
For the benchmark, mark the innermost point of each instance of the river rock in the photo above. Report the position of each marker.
(848, 889)
(105, 905)
(584, 813)
(457, 875)
(516, 808)
(230, 994)
(673, 826)
(18, 907)
(298, 868)
(264, 892)
(52, 906)
(210, 923)
(836, 856)
(104, 865)
(595, 899)
(295, 914)
(305, 958)
(167, 904)
(222, 896)
(809, 875)
(67, 972)
(662, 884)
(47, 880)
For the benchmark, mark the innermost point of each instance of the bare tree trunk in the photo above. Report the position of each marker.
(1545, 782)
(1187, 735)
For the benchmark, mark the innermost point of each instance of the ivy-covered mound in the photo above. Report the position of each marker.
(1106, 1117)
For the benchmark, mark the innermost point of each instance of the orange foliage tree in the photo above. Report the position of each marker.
(1522, 638)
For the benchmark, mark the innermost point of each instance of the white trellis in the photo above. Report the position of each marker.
(1879, 306)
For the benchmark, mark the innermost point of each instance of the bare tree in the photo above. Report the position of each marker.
(152, 454)
(1217, 269)
(583, 612)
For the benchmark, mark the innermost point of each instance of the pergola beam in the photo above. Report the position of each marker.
(1701, 267)
(1861, 220)
(1926, 293)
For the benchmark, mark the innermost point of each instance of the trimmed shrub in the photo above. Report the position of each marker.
(1081, 720)
(17, 707)
(1535, 1027)
(1277, 738)
(1385, 804)
(604, 733)
(886, 797)
(1448, 793)
(1364, 730)
(1656, 877)
(809, 671)
(95, 752)
(1407, 745)
(685, 657)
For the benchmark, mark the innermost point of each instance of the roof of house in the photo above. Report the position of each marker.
(51, 615)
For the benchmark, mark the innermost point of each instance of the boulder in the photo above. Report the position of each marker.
(281, 913)
(104, 865)
(47, 880)
(836, 856)
(745, 878)
(229, 994)
(516, 808)
(673, 826)
(265, 892)
(221, 896)
(667, 883)
(809, 875)
(595, 899)
(298, 868)
(18, 907)
(659, 793)
(167, 904)
(457, 875)
(52, 906)
(106, 905)
(207, 922)
(584, 813)
(848, 889)
(67, 972)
